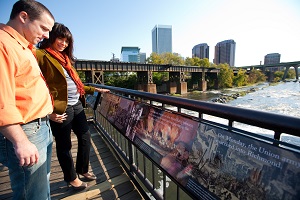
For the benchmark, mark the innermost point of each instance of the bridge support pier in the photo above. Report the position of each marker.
(287, 70)
(177, 83)
(198, 78)
(145, 82)
(182, 87)
(202, 85)
(297, 72)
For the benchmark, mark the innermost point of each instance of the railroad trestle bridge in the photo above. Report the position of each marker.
(94, 73)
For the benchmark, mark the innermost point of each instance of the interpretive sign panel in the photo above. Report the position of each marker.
(210, 162)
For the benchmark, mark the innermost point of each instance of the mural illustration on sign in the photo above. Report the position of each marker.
(210, 161)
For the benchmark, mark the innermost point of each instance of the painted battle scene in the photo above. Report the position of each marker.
(203, 157)
(236, 167)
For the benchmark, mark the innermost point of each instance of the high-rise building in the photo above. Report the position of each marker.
(162, 39)
(142, 57)
(130, 54)
(273, 58)
(225, 52)
(201, 51)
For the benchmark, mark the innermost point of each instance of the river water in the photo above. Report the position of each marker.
(282, 98)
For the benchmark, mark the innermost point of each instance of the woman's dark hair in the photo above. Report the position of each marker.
(59, 31)
(34, 9)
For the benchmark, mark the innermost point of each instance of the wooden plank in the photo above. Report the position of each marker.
(111, 178)
(90, 192)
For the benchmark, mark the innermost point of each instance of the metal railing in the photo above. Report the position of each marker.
(154, 181)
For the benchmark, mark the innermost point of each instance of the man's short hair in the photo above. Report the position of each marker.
(33, 8)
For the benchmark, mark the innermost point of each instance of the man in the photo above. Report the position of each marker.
(25, 102)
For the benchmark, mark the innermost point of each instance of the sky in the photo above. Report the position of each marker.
(102, 27)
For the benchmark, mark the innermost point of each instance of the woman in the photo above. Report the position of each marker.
(55, 58)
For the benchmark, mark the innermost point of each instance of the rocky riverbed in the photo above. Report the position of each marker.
(224, 98)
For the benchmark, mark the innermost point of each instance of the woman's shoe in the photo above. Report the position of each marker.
(89, 176)
(80, 187)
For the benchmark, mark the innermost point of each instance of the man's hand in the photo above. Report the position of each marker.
(26, 151)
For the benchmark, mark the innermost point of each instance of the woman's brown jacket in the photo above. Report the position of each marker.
(56, 80)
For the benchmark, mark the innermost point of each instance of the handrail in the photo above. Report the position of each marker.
(221, 140)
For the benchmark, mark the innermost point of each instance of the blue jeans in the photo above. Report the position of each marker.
(30, 183)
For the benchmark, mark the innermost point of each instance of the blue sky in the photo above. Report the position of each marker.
(102, 27)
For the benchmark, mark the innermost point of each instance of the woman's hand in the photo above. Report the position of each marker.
(58, 118)
(102, 90)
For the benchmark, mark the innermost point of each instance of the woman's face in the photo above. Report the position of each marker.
(60, 44)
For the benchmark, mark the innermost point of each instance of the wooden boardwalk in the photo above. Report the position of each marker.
(112, 181)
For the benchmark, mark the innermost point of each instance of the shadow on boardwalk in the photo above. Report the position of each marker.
(112, 181)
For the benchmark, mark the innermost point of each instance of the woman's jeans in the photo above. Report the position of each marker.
(77, 122)
(31, 183)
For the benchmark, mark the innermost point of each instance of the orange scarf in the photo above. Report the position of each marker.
(64, 60)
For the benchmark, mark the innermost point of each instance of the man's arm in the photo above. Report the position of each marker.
(24, 149)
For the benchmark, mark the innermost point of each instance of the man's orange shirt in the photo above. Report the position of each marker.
(24, 95)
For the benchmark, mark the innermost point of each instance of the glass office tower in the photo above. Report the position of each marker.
(130, 54)
(162, 39)
(225, 52)
(201, 51)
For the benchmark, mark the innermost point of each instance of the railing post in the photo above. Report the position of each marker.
(130, 152)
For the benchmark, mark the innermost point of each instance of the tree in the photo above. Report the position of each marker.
(195, 61)
(256, 76)
(189, 61)
(165, 59)
(155, 59)
(241, 78)
(225, 76)
(291, 74)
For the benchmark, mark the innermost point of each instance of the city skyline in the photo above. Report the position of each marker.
(100, 29)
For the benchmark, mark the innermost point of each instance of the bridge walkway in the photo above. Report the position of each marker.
(112, 181)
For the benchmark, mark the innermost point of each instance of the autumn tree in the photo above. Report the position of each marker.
(256, 76)
(241, 78)
(195, 61)
(225, 76)
(165, 59)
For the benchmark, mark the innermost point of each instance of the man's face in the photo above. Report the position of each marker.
(37, 30)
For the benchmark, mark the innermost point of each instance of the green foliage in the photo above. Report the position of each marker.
(195, 61)
(160, 77)
(225, 76)
(241, 78)
(165, 59)
(120, 79)
(291, 74)
(256, 76)
(189, 62)
(278, 75)
(81, 75)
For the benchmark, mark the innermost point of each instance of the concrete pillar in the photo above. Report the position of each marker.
(172, 87)
(150, 87)
(145, 82)
(203, 85)
(285, 72)
(297, 73)
(182, 87)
